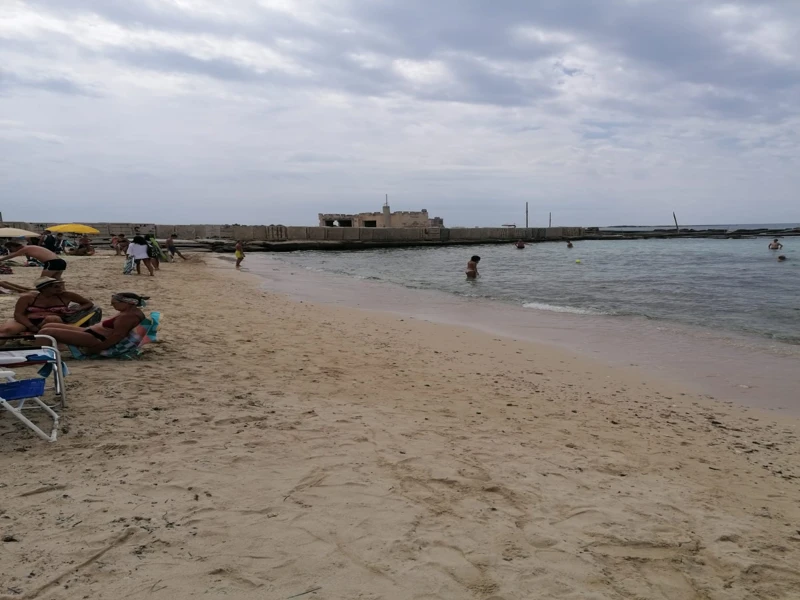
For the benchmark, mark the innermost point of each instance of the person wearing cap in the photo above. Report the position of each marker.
(46, 305)
(104, 335)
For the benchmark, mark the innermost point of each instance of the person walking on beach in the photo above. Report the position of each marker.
(472, 267)
(52, 266)
(776, 245)
(172, 248)
(239, 253)
(155, 251)
(139, 250)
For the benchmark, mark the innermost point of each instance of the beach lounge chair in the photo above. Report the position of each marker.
(16, 394)
(131, 347)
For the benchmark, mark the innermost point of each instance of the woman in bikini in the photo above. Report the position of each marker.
(106, 334)
(48, 304)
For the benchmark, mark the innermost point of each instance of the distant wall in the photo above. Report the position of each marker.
(279, 233)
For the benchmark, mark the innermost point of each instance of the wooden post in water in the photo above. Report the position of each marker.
(676, 222)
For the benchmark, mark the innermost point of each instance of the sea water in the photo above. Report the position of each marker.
(733, 285)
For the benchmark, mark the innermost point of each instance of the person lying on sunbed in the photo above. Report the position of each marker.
(50, 303)
(106, 334)
(6, 287)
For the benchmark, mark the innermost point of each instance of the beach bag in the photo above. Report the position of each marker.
(152, 252)
(128, 268)
(84, 318)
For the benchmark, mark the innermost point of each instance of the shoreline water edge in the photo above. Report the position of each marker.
(273, 447)
(720, 364)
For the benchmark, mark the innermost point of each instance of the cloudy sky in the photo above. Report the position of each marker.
(270, 111)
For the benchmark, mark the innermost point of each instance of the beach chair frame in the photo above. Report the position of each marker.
(16, 407)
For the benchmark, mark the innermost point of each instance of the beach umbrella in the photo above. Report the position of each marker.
(74, 228)
(13, 232)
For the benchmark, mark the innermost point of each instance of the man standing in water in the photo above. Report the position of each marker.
(472, 267)
(776, 245)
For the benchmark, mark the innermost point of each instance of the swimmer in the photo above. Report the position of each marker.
(776, 245)
(781, 258)
(520, 244)
(569, 244)
(472, 267)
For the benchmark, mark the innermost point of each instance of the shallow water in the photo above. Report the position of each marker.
(728, 285)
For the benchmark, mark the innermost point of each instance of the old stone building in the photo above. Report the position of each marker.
(385, 218)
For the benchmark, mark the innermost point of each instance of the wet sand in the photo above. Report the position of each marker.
(267, 448)
(721, 365)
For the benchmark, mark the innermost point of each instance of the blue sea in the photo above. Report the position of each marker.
(722, 284)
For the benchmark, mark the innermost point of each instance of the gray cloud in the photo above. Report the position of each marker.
(312, 104)
(58, 85)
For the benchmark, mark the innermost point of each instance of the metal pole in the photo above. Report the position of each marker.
(526, 215)
(676, 222)
(550, 224)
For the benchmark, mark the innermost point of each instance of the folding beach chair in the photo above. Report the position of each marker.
(16, 394)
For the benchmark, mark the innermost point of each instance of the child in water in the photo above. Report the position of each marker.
(239, 253)
(472, 267)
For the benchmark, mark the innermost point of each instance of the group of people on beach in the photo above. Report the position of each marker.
(79, 246)
(68, 317)
(50, 309)
(145, 250)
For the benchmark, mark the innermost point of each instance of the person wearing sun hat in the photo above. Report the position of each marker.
(48, 304)
(104, 335)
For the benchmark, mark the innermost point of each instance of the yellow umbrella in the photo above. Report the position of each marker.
(74, 228)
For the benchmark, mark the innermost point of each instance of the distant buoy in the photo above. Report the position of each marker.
(578, 261)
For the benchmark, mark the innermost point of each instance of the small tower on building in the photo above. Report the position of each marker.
(387, 213)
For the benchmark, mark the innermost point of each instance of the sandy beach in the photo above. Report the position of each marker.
(267, 448)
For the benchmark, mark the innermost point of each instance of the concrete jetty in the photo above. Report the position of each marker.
(280, 238)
